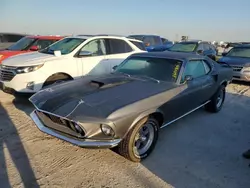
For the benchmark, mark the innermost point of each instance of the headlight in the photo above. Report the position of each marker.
(1, 56)
(107, 130)
(20, 70)
(246, 69)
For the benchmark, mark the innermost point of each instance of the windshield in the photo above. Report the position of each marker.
(152, 67)
(239, 52)
(65, 45)
(183, 47)
(22, 44)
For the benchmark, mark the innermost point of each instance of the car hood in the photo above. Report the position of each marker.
(238, 61)
(94, 96)
(28, 59)
(4, 54)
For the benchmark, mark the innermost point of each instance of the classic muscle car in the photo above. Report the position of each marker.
(127, 108)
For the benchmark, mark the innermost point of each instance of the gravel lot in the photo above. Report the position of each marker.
(202, 150)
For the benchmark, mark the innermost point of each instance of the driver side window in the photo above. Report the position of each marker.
(195, 68)
(96, 47)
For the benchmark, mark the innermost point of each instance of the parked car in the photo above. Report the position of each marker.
(28, 44)
(167, 43)
(199, 47)
(151, 42)
(7, 39)
(67, 59)
(239, 59)
(128, 107)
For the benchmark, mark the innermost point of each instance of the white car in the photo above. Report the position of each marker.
(67, 59)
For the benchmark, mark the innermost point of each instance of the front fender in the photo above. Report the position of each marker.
(139, 117)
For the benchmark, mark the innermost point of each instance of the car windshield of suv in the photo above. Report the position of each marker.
(239, 52)
(183, 47)
(65, 45)
(159, 69)
(22, 44)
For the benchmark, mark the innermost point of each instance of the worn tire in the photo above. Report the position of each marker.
(125, 148)
(213, 106)
(55, 78)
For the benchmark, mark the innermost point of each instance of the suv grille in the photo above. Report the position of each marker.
(237, 69)
(7, 73)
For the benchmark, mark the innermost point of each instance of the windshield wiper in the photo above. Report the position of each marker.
(148, 77)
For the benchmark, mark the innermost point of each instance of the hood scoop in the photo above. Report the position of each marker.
(107, 83)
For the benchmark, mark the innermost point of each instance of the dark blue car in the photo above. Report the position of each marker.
(151, 42)
(239, 59)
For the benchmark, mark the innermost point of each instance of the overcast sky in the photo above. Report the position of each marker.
(207, 20)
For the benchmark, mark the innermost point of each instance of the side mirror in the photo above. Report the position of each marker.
(85, 53)
(34, 48)
(188, 78)
(114, 67)
(200, 51)
(224, 54)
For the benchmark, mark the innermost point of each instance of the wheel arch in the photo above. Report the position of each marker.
(58, 74)
(156, 113)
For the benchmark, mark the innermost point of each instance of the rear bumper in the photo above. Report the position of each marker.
(88, 143)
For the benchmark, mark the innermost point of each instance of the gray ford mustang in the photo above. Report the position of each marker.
(127, 108)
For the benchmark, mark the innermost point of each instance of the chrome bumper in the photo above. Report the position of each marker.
(82, 143)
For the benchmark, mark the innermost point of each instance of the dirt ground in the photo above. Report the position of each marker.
(202, 150)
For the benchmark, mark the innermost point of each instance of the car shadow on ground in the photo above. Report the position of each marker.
(16, 151)
(205, 150)
(202, 149)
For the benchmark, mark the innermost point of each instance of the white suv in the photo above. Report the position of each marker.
(67, 59)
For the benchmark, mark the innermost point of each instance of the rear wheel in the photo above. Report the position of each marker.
(55, 79)
(140, 141)
(217, 100)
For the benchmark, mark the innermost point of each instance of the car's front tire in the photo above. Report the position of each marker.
(140, 140)
(217, 100)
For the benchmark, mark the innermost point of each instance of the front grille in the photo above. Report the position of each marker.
(73, 126)
(237, 68)
(7, 73)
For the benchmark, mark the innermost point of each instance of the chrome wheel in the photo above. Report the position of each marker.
(220, 98)
(144, 139)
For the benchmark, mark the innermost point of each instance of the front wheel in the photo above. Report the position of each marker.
(140, 140)
(217, 100)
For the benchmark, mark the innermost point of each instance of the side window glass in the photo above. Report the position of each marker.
(157, 40)
(149, 41)
(194, 68)
(200, 47)
(207, 67)
(118, 46)
(206, 47)
(43, 43)
(96, 47)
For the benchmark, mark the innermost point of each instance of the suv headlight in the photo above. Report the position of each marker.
(1, 56)
(20, 70)
(246, 69)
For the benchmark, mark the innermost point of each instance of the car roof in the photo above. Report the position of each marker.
(242, 46)
(141, 35)
(46, 37)
(103, 36)
(170, 55)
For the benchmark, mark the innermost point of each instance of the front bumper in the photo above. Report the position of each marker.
(241, 76)
(18, 82)
(88, 143)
